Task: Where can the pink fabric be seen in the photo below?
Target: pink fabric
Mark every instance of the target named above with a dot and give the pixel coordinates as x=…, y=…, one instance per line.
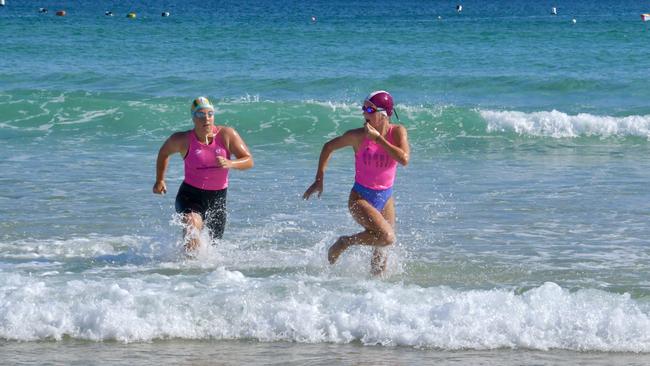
x=201, y=169
x=375, y=168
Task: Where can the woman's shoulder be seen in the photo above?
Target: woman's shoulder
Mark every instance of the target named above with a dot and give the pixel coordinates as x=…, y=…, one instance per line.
x=396, y=127
x=356, y=132
x=354, y=136
x=226, y=131
x=178, y=141
x=223, y=128
x=180, y=135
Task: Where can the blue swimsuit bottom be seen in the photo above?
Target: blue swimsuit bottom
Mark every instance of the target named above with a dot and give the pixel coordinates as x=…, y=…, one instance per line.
x=377, y=198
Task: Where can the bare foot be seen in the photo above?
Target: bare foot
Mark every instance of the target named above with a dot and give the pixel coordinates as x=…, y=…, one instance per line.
x=191, y=249
x=190, y=253
x=192, y=243
x=378, y=262
x=336, y=249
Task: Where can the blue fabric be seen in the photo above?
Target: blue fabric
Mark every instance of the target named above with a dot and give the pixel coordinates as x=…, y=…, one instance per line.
x=377, y=198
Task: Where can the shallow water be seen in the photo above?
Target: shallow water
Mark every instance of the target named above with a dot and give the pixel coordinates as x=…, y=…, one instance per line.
x=522, y=216
x=255, y=353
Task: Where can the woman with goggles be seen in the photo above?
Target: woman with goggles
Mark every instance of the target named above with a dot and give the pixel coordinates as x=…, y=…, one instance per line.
x=206, y=150
x=378, y=147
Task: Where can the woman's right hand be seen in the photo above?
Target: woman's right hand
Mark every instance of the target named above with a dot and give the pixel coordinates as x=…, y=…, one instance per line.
x=317, y=186
x=371, y=132
x=160, y=187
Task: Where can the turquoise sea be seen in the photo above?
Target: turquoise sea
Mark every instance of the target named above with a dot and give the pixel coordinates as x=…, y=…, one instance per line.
x=523, y=217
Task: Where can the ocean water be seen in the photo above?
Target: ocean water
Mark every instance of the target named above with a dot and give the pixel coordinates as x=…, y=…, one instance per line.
x=523, y=217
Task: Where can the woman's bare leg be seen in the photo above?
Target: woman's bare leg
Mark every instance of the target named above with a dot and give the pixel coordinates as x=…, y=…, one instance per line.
x=191, y=233
x=379, y=254
x=378, y=230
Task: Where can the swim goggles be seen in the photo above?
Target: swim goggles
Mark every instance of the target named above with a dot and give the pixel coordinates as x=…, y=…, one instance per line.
x=371, y=110
x=201, y=114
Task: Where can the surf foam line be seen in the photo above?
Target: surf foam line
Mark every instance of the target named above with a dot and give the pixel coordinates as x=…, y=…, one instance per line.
x=561, y=125
x=226, y=304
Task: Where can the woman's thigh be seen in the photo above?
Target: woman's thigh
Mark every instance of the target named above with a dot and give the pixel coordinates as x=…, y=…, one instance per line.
x=368, y=216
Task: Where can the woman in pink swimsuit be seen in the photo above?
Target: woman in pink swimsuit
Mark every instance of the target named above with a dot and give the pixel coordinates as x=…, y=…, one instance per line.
x=206, y=151
x=378, y=147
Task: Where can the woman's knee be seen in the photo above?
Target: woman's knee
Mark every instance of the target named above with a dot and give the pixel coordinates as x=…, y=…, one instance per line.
x=386, y=237
x=193, y=219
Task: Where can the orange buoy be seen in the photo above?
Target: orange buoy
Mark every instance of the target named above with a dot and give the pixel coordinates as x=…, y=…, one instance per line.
x=60, y=13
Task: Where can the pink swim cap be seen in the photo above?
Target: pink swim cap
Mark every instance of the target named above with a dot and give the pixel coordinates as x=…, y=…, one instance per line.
x=383, y=100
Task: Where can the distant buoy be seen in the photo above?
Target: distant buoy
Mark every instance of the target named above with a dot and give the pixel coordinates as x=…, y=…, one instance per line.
x=60, y=13
x=459, y=8
x=165, y=14
x=313, y=19
x=645, y=17
x=2, y=2
x=131, y=15
x=42, y=10
x=108, y=13
x=574, y=21
x=554, y=11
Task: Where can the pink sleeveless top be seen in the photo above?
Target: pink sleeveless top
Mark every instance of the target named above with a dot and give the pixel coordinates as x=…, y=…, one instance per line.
x=375, y=168
x=201, y=169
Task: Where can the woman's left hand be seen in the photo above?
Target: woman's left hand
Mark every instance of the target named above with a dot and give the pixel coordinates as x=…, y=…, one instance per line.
x=223, y=162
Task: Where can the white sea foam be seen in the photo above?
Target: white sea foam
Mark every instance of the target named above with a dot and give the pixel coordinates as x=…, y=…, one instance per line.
x=90, y=247
x=225, y=304
x=157, y=107
x=84, y=117
x=561, y=125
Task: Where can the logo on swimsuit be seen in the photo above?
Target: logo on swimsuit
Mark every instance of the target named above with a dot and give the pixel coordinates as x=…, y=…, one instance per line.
x=378, y=160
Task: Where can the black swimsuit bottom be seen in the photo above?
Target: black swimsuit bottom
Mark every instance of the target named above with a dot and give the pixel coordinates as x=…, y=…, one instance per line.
x=211, y=205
